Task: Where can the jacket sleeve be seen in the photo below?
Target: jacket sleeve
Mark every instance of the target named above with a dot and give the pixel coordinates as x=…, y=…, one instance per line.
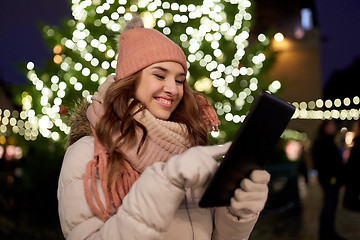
x=146, y=211
x=230, y=227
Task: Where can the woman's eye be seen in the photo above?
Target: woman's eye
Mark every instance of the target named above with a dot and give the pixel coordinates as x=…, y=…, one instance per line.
x=159, y=76
x=179, y=81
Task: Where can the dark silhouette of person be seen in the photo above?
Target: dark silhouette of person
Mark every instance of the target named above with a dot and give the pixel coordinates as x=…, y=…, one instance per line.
x=329, y=164
x=352, y=184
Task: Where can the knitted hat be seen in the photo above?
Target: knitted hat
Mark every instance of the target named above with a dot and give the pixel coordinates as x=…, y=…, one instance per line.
x=142, y=47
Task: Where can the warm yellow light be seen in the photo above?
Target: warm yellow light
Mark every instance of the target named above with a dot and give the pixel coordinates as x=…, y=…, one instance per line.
x=57, y=59
x=2, y=140
x=349, y=137
x=203, y=85
x=149, y=19
x=279, y=37
x=57, y=49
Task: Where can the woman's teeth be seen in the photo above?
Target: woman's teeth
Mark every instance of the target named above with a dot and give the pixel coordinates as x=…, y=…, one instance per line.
x=164, y=101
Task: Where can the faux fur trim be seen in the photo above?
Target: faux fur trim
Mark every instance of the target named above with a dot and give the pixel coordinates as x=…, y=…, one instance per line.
x=78, y=122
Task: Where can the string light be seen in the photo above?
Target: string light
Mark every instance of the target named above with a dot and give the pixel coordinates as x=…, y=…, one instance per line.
x=294, y=135
x=314, y=109
x=278, y=37
x=28, y=125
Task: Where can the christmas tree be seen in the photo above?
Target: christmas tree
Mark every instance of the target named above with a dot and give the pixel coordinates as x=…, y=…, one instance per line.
x=224, y=63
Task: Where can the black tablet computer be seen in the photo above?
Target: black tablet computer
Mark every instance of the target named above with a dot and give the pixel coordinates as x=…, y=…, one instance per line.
x=251, y=147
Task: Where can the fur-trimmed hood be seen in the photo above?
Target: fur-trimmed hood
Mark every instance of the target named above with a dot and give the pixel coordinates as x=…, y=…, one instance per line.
x=80, y=126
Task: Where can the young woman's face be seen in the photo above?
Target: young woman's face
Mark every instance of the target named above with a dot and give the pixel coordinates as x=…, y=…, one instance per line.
x=161, y=88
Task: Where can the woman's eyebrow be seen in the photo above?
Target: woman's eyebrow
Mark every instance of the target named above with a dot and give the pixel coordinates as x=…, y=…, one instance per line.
x=160, y=68
x=166, y=70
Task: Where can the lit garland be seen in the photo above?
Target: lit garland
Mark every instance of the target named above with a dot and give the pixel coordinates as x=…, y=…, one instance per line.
x=312, y=109
x=28, y=125
x=294, y=135
x=18, y=123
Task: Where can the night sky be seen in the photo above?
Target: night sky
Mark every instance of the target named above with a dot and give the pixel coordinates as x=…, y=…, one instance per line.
x=340, y=35
x=22, y=40
x=21, y=37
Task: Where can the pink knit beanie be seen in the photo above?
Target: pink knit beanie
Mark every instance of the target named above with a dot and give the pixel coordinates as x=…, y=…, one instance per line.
x=142, y=47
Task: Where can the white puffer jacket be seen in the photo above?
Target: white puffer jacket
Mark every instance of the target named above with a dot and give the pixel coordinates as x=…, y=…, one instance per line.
x=139, y=216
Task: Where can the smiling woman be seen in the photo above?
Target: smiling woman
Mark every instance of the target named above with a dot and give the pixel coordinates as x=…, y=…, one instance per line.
x=137, y=158
x=161, y=88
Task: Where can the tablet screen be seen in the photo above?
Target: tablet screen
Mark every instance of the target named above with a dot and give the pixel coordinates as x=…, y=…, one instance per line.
x=251, y=147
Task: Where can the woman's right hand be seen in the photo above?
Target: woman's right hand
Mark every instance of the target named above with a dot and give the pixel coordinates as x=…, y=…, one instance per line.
x=194, y=167
x=157, y=194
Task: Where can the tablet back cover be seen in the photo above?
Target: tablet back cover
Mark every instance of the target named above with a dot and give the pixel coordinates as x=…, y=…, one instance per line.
x=254, y=141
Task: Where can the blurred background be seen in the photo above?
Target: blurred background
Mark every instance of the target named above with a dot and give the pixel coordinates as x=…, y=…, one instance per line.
x=54, y=52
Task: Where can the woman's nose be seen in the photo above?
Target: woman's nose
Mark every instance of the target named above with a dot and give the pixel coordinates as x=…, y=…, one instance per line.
x=171, y=87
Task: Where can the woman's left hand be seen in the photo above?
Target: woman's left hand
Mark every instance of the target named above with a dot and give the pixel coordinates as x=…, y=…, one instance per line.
x=250, y=198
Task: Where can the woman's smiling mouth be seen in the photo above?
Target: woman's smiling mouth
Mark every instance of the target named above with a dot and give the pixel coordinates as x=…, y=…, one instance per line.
x=164, y=102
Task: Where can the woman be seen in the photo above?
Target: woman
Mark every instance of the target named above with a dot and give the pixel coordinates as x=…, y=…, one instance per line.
x=137, y=161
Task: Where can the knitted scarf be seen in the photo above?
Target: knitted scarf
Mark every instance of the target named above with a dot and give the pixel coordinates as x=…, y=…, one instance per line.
x=164, y=139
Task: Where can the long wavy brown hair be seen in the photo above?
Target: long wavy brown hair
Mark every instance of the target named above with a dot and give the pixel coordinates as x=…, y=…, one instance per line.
x=118, y=125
